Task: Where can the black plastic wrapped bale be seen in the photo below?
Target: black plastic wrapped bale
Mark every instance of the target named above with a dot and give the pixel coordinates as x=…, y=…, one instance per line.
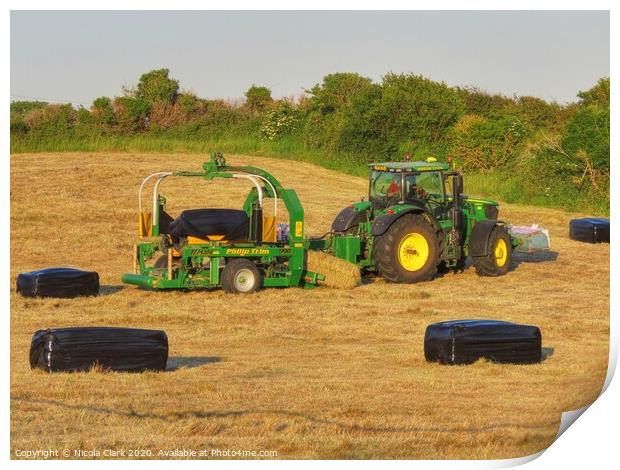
x=58, y=282
x=233, y=224
x=80, y=349
x=589, y=230
x=466, y=341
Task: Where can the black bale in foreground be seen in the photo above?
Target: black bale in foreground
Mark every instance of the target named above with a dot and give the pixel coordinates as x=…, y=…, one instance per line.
x=58, y=282
x=466, y=341
x=80, y=349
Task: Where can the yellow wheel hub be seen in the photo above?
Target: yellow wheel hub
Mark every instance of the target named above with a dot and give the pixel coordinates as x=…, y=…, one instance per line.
x=501, y=252
x=413, y=251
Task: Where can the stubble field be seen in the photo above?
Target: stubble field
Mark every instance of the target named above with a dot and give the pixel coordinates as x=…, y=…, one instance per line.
x=318, y=373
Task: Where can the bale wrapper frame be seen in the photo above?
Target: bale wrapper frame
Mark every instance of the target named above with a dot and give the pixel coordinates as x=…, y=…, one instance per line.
x=238, y=250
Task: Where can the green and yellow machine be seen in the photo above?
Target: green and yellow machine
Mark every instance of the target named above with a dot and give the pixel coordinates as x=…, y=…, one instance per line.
x=417, y=221
x=238, y=250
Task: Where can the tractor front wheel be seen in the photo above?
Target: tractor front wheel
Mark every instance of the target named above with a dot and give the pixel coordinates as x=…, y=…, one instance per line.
x=241, y=276
x=408, y=251
x=499, y=254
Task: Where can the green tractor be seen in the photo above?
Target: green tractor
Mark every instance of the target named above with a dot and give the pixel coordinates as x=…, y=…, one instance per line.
x=415, y=222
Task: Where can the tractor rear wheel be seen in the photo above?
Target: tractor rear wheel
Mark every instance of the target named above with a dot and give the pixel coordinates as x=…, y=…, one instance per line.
x=408, y=251
x=241, y=276
x=499, y=254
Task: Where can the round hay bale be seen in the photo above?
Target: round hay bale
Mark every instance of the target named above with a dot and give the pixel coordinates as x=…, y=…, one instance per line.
x=339, y=274
x=589, y=230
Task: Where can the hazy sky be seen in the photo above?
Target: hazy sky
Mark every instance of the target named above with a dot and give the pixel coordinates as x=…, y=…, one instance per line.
x=78, y=56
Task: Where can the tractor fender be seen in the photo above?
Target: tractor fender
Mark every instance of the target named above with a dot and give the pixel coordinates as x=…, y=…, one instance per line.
x=383, y=222
x=479, y=237
x=348, y=218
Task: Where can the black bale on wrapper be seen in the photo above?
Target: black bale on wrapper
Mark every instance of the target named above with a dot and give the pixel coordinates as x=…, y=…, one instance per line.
x=466, y=341
x=81, y=349
x=58, y=282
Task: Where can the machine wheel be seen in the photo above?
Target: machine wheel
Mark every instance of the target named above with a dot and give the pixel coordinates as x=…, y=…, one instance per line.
x=408, y=251
x=241, y=276
x=499, y=258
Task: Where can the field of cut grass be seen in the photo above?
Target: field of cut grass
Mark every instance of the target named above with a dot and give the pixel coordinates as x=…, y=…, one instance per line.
x=309, y=374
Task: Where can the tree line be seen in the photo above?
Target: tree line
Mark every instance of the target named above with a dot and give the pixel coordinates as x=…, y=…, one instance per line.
x=560, y=147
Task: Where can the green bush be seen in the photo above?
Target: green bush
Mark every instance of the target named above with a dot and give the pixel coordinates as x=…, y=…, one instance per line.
x=52, y=121
x=536, y=111
x=258, y=98
x=282, y=120
x=21, y=108
x=103, y=112
x=131, y=113
x=484, y=104
x=598, y=94
x=18, y=127
x=416, y=111
x=588, y=131
x=578, y=156
x=481, y=144
x=337, y=92
x=194, y=107
x=156, y=85
x=329, y=114
x=360, y=131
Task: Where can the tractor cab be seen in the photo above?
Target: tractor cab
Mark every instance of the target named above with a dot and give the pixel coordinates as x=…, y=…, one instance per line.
x=421, y=184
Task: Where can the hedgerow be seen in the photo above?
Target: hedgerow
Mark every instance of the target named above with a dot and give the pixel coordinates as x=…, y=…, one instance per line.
x=549, y=152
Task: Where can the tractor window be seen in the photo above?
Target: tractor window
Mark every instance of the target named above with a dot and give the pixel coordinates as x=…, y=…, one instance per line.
x=424, y=186
x=385, y=187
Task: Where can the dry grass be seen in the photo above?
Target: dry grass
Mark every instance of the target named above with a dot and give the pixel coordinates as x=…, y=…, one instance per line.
x=321, y=373
x=339, y=274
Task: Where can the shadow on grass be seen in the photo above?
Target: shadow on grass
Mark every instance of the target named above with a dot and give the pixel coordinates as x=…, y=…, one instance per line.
x=536, y=257
x=443, y=271
x=546, y=353
x=517, y=259
x=110, y=290
x=189, y=362
x=212, y=414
